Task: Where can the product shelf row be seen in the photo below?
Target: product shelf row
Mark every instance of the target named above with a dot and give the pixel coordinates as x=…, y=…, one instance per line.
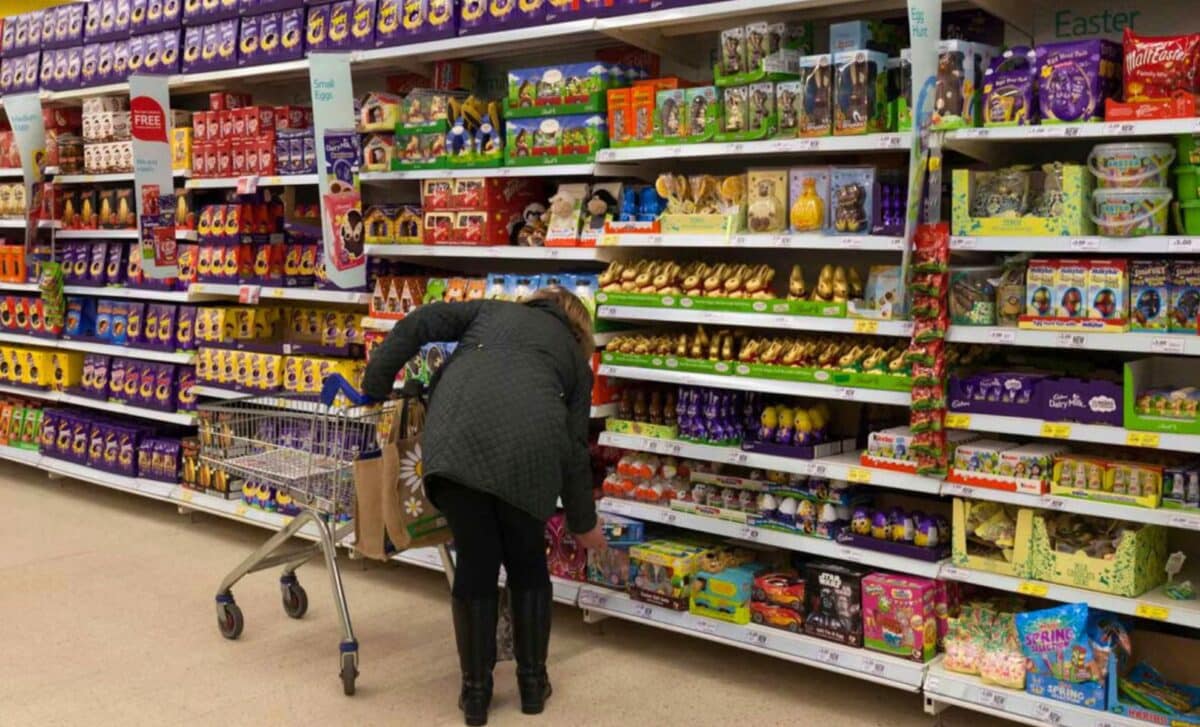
x=502, y=252
x=144, y=354
x=847, y=467
x=68, y=234
x=1149, y=245
x=940, y=687
x=787, y=241
x=202, y=292
x=766, y=386
x=186, y=419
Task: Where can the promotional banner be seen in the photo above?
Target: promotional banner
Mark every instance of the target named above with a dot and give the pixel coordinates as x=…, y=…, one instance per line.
x=338, y=159
x=29, y=134
x=924, y=29
x=154, y=182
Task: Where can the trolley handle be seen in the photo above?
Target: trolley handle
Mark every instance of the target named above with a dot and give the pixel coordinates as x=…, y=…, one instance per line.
x=335, y=384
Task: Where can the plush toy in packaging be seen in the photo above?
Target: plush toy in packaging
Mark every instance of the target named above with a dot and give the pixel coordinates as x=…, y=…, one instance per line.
x=566, y=211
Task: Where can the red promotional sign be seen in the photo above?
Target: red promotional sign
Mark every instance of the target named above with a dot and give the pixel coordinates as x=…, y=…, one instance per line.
x=147, y=119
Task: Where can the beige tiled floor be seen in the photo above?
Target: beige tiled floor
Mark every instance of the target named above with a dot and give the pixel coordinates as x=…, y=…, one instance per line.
x=106, y=618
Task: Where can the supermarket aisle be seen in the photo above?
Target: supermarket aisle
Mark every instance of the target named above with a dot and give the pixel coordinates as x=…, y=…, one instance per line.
x=106, y=619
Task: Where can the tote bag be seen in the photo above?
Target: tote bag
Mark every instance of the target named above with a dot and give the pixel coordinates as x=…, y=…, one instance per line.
x=391, y=511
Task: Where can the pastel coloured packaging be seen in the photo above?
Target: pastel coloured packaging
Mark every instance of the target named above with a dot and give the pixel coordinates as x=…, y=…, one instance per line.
x=1076, y=77
x=899, y=616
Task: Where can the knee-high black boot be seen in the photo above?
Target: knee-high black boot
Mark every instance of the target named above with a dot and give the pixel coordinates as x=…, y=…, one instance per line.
x=475, y=632
x=531, y=640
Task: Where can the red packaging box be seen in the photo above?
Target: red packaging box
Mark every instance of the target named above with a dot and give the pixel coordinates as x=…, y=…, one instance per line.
x=224, y=161
x=212, y=126
x=437, y=194
x=225, y=124
x=238, y=120
x=199, y=127
x=250, y=156
x=210, y=159
x=221, y=101
x=265, y=146
x=439, y=228
x=252, y=121
x=493, y=194
x=474, y=227
x=290, y=117
x=238, y=149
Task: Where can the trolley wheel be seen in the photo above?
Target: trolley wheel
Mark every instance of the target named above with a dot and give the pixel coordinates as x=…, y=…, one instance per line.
x=295, y=600
x=349, y=673
x=230, y=621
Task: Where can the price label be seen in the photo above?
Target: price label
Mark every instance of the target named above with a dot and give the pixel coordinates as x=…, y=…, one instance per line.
x=1084, y=244
x=890, y=141
x=620, y=508
x=591, y=598
x=247, y=184
x=653, y=240
x=810, y=145
x=780, y=240
x=845, y=392
x=1002, y=337
x=1056, y=430
x=932, y=683
x=960, y=490
x=963, y=243
x=705, y=627
x=850, y=554
x=607, y=310
x=953, y=573
x=873, y=666
x=1047, y=713
x=1152, y=611
x=992, y=698
x=977, y=133
x=852, y=243
x=1033, y=588
x=1191, y=522
x=1054, y=503
x=866, y=326
x=642, y=611
x=276, y=292
x=1147, y=440
x=186, y=495
x=817, y=470
x=780, y=145
x=861, y=475
x=1069, y=132
x=249, y=294
x=737, y=457
x=958, y=421
x=739, y=240
x=1071, y=340
x=756, y=638
x=667, y=517
x=1183, y=244
x=610, y=240
x=241, y=509
x=1167, y=344
x=735, y=148
x=748, y=533
x=552, y=252
x=828, y=656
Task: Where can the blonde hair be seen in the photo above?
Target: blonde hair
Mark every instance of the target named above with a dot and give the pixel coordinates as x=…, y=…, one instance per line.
x=579, y=318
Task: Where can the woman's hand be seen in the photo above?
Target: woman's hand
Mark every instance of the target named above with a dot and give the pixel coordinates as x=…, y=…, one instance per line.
x=594, y=538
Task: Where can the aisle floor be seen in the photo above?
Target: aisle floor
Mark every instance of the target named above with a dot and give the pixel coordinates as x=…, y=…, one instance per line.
x=106, y=618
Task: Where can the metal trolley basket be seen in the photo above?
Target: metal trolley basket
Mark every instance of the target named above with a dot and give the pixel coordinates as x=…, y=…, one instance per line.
x=304, y=447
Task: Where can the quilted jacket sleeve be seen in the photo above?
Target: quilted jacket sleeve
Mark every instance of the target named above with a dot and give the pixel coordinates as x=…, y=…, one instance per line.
x=578, y=504
x=427, y=324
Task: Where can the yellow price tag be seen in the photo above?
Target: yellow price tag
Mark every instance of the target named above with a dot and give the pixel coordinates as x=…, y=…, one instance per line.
x=1149, y=610
x=866, y=326
x=610, y=240
x=1148, y=440
x=1056, y=430
x=1031, y=588
x=860, y=475
x=186, y=495
x=958, y=421
x=241, y=510
x=277, y=292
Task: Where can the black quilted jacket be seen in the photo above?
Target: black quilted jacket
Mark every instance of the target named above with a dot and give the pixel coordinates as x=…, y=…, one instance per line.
x=509, y=414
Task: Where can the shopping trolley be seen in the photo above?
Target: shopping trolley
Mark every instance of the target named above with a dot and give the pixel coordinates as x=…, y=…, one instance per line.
x=304, y=447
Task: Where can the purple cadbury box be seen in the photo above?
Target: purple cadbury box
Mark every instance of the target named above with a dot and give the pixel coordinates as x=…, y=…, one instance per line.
x=1002, y=394
x=1072, y=87
x=1092, y=401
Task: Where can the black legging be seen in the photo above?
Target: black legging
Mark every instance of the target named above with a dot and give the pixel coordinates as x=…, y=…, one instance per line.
x=488, y=531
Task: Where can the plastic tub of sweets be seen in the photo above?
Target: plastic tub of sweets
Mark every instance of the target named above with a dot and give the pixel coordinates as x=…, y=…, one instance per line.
x=1188, y=146
x=1130, y=212
x=1186, y=181
x=1131, y=165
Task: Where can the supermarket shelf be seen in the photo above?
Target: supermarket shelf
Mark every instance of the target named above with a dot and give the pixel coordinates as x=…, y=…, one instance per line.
x=113, y=407
x=838, y=467
x=145, y=354
x=601, y=338
x=312, y=295
x=8, y=172
x=68, y=234
x=768, y=386
x=944, y=687
x=1076, y=245
x=30, y=457
x=191, y=82
x=565, y=591
x=760, y=320
x=1076, y=432
x=102, y=178
x=1154, y=605
x=848, y=660
x=506, y=252
x=1180, y=344
x=113, y=291
x=1095, y=130
x=9, y=223
x=1184, y=519
x=775, y=242
x=603, y=411
x=232, y=182
x=21, y=287
x=214, y=392
x=787, y=541
x=868, y=143
x=549, y=170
